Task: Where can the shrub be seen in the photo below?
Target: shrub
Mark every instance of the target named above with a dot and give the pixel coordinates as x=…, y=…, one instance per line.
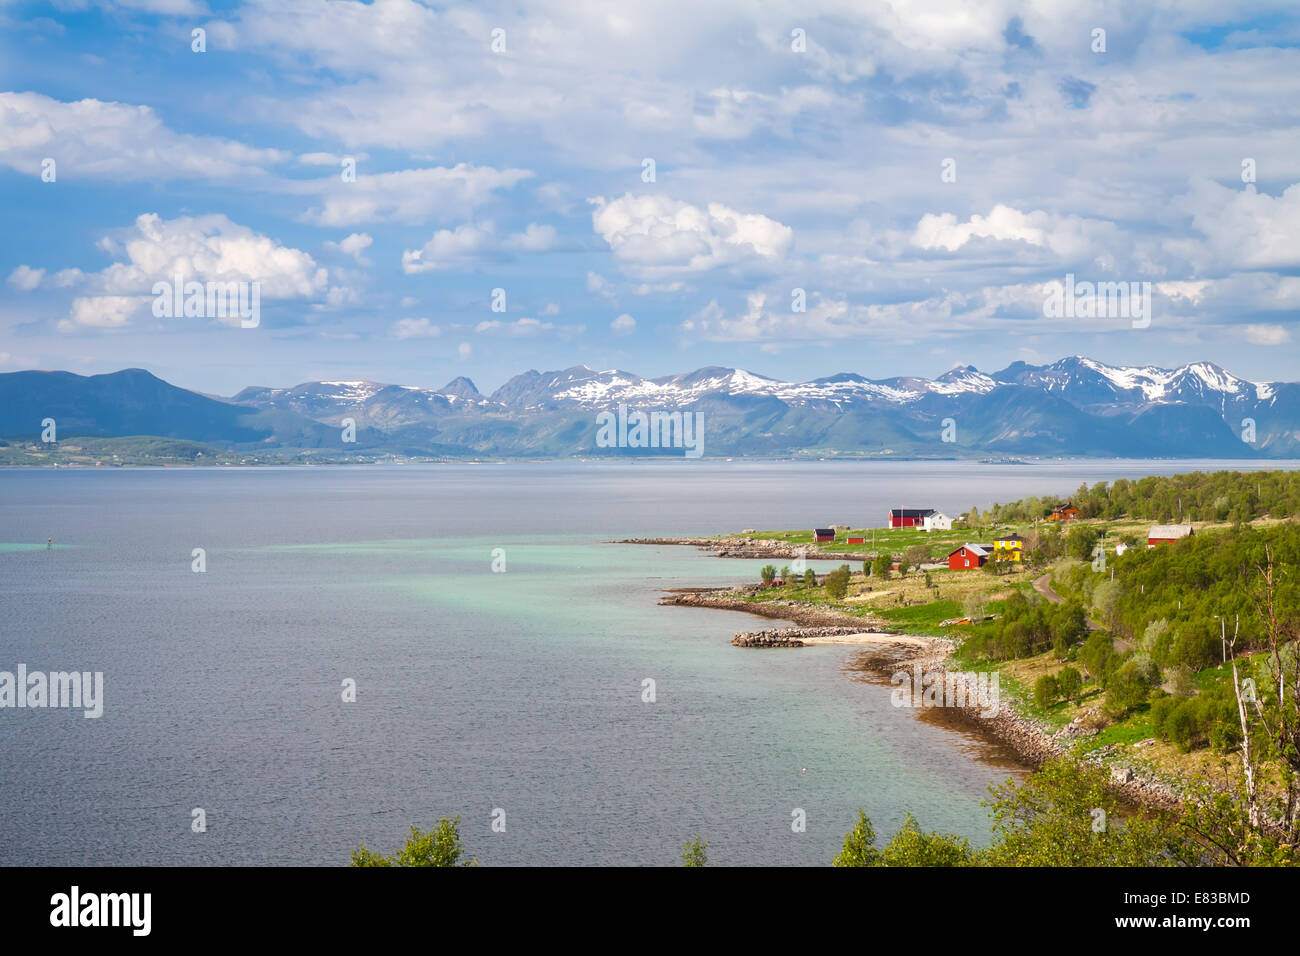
x=837, y=583
x=1069, y=682
x=1046, y=690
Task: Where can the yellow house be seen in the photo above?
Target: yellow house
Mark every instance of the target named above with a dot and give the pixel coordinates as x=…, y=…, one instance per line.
x=1008, y=548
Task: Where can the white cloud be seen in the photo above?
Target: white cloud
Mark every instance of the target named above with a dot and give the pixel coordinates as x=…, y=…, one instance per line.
x=354, y=245
x=534, y=238
x=521, y=328
x=1267, y=335
x=92, y=139
x=623, y=325
x=654, y=235
x=463, y=246
x=202, y=249
x=1243, y=228
x=103, y=311
x=25, y=278
x=1069, y=238
x=415, y=329
x=408, y=196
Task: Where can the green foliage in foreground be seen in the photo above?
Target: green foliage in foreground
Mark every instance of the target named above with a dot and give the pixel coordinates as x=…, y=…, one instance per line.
x=441, y=846
x=910, y=846
x=695, y=852
x=1066, y=814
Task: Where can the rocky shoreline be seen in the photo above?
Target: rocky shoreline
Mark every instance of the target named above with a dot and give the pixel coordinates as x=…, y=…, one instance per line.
x=760, y=548
x=1027, y=739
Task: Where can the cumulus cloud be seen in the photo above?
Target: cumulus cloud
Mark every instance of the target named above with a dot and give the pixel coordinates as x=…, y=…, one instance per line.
x=623, y=325
x=102, y=311
x=202, y=249
x=353, y=245
x=415, y=329
x=1242, y=228
x=1267, y=335
x=1067, y=238
x=92, y=139
x=407, y=196
x=25, y=278
x=655, y=235
x=463, y=246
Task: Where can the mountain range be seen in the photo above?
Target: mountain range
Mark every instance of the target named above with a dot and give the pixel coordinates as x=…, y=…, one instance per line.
x=1073, y=407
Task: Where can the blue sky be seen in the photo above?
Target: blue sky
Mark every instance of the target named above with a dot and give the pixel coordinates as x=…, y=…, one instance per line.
x=783, y=160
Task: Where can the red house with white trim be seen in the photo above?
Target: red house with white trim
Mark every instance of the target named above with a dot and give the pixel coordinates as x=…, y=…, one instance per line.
x=908, y=517
x=969, y=556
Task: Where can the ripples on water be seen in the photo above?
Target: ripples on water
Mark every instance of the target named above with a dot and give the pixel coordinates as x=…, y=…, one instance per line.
x=476, y=690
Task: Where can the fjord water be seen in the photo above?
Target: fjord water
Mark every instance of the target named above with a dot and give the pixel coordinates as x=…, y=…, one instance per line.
x=475, y=690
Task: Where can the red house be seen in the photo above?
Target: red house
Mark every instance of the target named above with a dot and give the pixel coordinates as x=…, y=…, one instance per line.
x=908, y=517
x=1063, y=513
x=857, y=540
x=823, y=534
x=969, y=556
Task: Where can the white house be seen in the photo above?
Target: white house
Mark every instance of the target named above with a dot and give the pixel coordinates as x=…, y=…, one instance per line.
x=938, y=521
x=1120, y=548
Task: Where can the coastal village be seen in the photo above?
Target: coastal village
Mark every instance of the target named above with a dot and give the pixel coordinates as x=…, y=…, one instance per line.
x=1099, y=615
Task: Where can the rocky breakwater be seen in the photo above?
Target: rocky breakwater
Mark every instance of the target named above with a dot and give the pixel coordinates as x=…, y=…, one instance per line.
x=789, y=636
x=763, y=548
x=804, y=615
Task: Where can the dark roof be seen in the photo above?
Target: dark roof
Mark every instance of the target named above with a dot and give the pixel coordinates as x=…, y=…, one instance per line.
x=829, y=531
x=1009, y=537
x=910, y=512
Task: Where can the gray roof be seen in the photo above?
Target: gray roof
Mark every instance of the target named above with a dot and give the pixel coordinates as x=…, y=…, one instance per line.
x=1169, y=531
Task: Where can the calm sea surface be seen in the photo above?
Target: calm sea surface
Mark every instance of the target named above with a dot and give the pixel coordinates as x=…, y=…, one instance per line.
x=475, y=690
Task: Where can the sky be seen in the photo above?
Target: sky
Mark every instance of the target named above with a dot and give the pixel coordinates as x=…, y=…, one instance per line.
x=422, y=191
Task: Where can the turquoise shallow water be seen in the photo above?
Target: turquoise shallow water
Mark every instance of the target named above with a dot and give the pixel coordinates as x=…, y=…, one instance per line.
x=476, y=690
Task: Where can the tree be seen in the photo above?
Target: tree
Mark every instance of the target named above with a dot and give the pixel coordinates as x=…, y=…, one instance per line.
x=880, y=567
x=1097, y=654
x=837, y=583
x=859, y=845
x=912, y=847
x=1061, y=816
x=866, y=569
x=809, y=578
x=768, y=574
x=441, y=846
x=695, y=852
x=917, y=555
x=1130, y=685
x=785, y=573
x=1046, y=690
x=1069, y=682
x=1081, y=542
